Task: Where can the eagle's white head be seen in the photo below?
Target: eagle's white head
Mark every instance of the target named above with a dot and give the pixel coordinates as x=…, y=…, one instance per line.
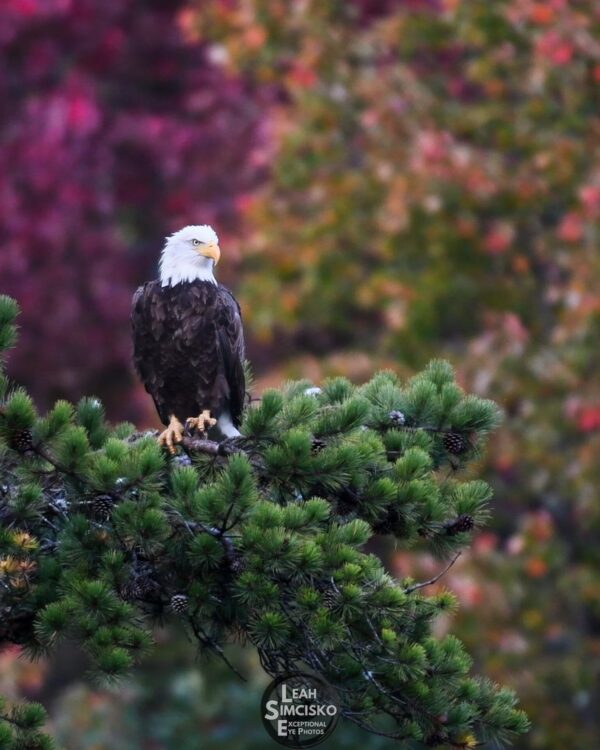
x=189, y=255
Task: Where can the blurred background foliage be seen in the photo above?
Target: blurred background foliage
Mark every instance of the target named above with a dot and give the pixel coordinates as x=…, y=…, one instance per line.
x=391, y=180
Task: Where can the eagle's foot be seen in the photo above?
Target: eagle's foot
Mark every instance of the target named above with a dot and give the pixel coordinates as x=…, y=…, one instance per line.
x=202, y=422
x=172, y=435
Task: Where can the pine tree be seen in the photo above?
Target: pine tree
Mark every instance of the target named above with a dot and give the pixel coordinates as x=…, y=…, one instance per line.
x=103, y=534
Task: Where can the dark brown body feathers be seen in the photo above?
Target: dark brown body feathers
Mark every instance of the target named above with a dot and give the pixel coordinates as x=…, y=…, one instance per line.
x=188, y=348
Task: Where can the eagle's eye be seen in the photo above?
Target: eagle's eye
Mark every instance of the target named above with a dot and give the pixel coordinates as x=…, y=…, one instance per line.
x=195, y=243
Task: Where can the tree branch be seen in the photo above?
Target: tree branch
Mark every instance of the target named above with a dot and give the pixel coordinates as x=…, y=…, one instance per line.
x=435, y=579
x=210, y=447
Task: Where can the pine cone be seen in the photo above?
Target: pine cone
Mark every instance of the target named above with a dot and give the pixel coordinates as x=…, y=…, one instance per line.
x=330, y=598
x=21, y=441
x=130, y=590
x=138, y=587
x=462, y=523
x=238, y=565
x=102, y=505
x=179, y=604
x=397, y=418
x=318, y=444
x=455, y=443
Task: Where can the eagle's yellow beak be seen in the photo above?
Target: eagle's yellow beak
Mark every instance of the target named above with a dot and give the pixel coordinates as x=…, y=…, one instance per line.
x=210, y=251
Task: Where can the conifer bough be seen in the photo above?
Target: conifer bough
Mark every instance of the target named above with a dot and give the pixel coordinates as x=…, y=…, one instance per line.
x=102, y=533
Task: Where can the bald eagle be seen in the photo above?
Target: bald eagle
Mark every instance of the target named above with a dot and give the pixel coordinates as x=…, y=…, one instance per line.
x=188, y=340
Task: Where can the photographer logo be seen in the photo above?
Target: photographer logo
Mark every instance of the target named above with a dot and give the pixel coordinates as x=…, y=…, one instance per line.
x=299, y=710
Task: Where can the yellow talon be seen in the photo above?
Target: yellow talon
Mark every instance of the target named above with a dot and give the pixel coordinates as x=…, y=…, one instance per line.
x=202, y=422
x=172, y=435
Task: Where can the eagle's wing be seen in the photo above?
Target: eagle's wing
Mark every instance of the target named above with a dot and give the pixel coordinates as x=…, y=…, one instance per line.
x=148, y=318
x=231, y=344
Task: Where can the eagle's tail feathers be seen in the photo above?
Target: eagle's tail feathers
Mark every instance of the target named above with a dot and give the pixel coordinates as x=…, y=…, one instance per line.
x=226, y=427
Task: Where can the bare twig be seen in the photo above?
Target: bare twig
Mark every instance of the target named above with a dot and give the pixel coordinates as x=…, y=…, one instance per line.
x=228, y=547
x=209, y=643
x=435, y=579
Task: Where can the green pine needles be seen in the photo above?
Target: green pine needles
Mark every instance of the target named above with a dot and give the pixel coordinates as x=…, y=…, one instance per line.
x=261, y=538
